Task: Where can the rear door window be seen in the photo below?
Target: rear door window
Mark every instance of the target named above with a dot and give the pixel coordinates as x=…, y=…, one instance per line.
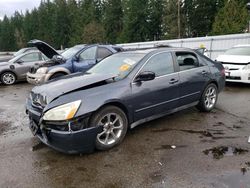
x=103, y=52
x=186, y=60
x=161, y=64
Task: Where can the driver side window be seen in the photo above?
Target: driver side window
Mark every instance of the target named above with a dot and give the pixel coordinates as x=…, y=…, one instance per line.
x=30, y=57
x=89, y=53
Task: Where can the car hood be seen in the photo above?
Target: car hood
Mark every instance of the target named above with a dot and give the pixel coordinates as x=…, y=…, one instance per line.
x=4, y=64
x=44, y=48
x=235, y=59
x=53, y=89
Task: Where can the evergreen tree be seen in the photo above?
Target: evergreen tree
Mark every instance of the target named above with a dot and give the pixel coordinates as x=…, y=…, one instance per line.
x=156, y=11
x=77, y=25
x=170, y=20
x=200, y=16
x=232, y=18
x=62, y=24
x=136, y=21
x=31, y=25
x=93, y=33
x=46, y=22
x=7, y=34
x=112, y=21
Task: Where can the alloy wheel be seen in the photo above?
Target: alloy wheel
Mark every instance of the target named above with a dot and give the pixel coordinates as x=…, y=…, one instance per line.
x=112, y=128
x=8, y=78
x=210, y=97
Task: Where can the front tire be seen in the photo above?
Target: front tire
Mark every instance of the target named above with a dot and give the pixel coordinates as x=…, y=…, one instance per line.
x=8, y=78
x=115, y=125
x=209, y=98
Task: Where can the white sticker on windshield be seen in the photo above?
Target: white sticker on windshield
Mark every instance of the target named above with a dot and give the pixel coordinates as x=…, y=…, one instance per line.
x=129, y=61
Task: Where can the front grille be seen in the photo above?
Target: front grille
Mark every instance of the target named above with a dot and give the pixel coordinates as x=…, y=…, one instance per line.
x=233, y=69
x=233, y=77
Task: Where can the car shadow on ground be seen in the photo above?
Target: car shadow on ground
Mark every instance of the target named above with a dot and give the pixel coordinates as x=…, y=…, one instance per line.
x=236, y=84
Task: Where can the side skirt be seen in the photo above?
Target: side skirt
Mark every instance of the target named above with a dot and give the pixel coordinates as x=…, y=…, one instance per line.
x=135, y=124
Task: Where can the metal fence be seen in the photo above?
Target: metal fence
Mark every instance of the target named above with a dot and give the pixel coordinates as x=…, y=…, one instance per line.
x=215, y=45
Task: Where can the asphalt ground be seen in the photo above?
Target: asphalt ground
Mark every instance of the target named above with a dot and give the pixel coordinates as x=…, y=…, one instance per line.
x=185, y=149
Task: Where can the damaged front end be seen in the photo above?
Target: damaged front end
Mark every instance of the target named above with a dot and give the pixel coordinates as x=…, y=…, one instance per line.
x=68, y=136
x=56, y=60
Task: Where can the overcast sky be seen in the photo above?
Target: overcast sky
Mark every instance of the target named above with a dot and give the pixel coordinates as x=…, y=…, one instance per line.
x=8, y=7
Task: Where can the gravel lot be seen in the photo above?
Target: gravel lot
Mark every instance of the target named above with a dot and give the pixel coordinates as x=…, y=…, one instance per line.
x=211, y=149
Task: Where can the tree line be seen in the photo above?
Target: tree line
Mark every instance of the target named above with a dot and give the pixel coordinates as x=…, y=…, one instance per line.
x=64, y=23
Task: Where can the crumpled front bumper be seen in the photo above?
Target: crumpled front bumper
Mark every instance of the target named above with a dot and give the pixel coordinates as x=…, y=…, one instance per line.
x=82, y=141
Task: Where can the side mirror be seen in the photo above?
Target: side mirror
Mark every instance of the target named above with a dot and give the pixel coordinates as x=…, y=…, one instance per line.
x=145, y=76
x=20, y=62
x=58, y=58
x=76, y=58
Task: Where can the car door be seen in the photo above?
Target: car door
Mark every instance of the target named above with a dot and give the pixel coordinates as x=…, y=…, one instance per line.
x=159, y=95
x=86, y=60
x=23, y=64
x=194, y=75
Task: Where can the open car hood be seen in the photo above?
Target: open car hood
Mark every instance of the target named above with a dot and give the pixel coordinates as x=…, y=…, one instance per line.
x=44, y=48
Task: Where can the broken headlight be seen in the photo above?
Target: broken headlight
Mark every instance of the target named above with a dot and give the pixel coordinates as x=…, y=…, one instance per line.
x=63, y=112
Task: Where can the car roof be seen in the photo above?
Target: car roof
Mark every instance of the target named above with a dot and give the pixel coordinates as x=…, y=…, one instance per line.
x=159, y=49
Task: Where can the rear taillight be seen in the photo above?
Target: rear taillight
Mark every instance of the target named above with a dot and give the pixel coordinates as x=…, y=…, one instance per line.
x=223, y=72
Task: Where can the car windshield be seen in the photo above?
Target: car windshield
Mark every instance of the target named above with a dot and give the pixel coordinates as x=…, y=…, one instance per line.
x=120, y=64
x=67, y=54
x=239, y=51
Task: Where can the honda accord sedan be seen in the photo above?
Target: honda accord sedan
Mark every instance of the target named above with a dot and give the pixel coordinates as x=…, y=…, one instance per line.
x=82, y=112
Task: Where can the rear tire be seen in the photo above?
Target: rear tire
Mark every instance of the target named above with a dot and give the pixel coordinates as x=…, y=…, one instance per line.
x=56, y=75
x=209, y=98
x=115, y=125
x=8, y=78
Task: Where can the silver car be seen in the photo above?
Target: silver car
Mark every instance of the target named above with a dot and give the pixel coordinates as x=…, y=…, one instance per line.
x=16, y=69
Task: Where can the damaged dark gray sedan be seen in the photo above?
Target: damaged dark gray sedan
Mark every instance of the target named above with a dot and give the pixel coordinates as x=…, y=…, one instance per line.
x=83, y=112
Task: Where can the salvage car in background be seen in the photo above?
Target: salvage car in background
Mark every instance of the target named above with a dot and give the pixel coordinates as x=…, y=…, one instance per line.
x=24, y=50
x=237, y=63
x=79, y=58
x=8, y=56
x=17, y=68
x=80, y=112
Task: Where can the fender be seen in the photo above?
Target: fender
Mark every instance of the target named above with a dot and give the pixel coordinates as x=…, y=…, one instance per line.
x=56, y=70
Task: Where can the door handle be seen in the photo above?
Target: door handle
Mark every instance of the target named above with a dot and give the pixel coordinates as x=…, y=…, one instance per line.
x=204, y=72
x=173, y=81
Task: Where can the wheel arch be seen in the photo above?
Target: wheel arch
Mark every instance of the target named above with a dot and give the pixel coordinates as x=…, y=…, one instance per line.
x=7, y=70
x=120, y=105
x=214, y=82
x=58, y=71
